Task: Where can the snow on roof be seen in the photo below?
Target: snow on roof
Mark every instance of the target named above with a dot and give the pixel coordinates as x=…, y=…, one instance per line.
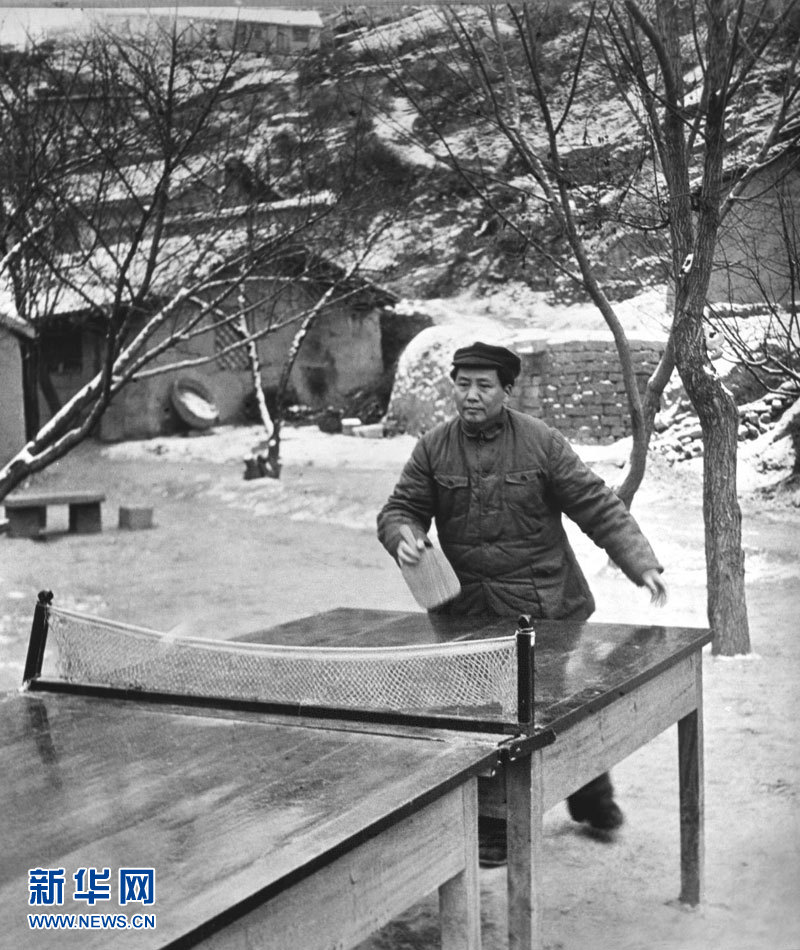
x=182, y=258
x=309, y=18
x=19, y=25
x=93, y=280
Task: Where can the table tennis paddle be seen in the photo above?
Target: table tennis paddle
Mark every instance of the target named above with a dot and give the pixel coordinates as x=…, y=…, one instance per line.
x=432, y=579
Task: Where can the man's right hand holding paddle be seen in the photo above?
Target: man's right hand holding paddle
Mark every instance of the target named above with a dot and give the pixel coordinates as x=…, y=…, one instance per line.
x=408, y=553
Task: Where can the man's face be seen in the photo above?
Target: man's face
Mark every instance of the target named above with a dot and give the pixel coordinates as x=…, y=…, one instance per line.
x=478, y=394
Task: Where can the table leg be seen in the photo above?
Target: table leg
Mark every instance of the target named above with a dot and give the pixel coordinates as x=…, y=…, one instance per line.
x=85, y=518
x=690, y=770
x=459, y=898
x=525, y=813
x=26, y=522
x=349, y=897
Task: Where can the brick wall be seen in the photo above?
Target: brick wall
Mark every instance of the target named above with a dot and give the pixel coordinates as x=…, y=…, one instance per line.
x=573, y=382
x=576, y=386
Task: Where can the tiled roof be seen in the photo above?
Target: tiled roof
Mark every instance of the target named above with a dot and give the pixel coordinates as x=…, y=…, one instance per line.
x=308, y=18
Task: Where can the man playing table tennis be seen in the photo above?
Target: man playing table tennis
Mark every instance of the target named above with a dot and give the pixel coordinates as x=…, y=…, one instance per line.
x=497, y=482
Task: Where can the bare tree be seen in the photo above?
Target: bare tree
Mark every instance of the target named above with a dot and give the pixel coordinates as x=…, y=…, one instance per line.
x=501, y=78
x=172, y=225
x=728, y=46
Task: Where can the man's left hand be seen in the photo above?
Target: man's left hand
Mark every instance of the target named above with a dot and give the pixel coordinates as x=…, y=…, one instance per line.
x=654, y=582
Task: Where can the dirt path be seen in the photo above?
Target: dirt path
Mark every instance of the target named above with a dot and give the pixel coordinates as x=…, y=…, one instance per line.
x=227, y=556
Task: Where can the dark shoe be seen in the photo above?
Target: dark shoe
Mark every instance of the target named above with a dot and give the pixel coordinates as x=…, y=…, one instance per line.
x=492, y=849
x=605, y=815
x=595, y=804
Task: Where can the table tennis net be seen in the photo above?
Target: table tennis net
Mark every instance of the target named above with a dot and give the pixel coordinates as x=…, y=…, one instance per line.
x=457, y=677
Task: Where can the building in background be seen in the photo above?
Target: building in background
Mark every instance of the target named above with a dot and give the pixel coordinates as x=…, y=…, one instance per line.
x=261, y=30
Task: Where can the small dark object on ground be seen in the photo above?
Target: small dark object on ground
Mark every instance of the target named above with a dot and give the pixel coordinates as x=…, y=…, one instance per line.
x=260, y=466
x=135, y=518
x=330, y=421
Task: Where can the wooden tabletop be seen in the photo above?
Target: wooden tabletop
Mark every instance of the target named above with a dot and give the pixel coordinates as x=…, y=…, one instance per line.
x=578, y=667
x=228, y=808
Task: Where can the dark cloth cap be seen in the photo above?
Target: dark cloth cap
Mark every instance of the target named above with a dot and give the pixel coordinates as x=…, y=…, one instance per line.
x=484, y=354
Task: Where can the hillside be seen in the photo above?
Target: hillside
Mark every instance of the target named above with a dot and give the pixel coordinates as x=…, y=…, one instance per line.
x=474, y=218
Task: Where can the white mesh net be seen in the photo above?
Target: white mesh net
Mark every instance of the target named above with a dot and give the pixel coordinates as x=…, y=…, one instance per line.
x=458, y=677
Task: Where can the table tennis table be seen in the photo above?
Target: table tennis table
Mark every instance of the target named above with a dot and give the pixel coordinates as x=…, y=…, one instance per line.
x=601, y=691
x=281, y=828
x=262, y=833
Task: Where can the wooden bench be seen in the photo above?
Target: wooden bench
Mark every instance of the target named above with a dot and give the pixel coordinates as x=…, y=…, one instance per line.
x=27, y=514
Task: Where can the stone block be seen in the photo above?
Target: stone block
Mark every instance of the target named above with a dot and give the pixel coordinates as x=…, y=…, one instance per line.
x=135, y=518
x=373, y=431
x=26, y=523
x=85, y=519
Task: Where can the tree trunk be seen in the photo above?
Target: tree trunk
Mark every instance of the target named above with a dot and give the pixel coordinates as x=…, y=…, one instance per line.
x=274, y=444
x=692, y=259
x=719, y=420
x=12, y=475
x=259, y=465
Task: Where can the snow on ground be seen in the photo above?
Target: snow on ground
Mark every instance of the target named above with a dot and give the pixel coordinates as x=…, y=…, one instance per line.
x=307, y=445
x=389, y=36
x=304, y=445
x=396, y=128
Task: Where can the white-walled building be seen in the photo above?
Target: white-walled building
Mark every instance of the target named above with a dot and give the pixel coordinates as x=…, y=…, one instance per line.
x=258, y=29
x=262, y=30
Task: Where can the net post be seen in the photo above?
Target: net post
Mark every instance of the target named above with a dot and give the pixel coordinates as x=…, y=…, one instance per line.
x=526, y=639
x=38, y=638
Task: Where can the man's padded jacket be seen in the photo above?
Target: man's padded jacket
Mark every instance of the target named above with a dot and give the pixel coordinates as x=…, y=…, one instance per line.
x=497, y=497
